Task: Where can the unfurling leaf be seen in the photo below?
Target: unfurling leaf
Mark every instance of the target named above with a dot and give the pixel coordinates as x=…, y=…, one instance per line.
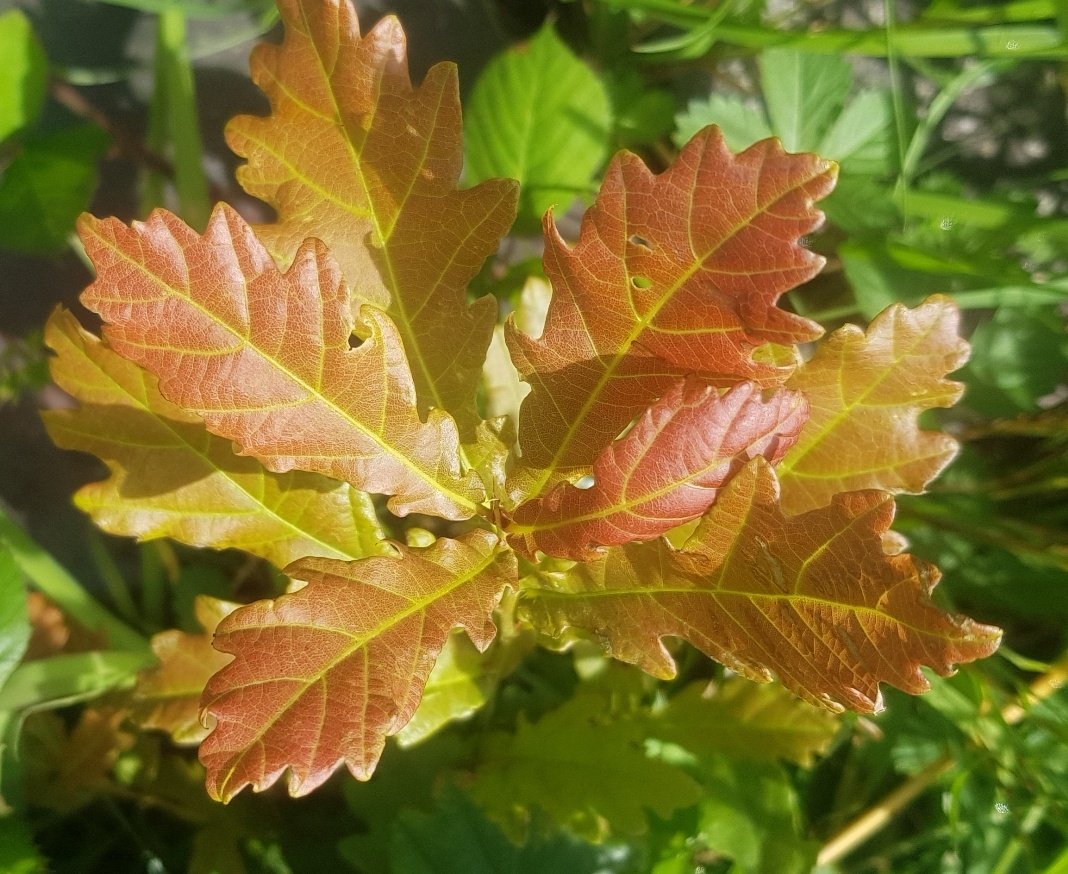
x=263, y=357
x=171, y=478
x=866, y=390
x=673, y=274
x=664, y=472
x=812, y=600
x=167, y=696
x=352, y=155
x=323, y=675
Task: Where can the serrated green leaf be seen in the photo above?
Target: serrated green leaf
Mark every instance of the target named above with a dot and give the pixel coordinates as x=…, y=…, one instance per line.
x=458, y=839
x=23, y=74
x=746, y=721
x=741, y=124
x=46, y=186
x=540, y=115
x=803, y=92
x=584, y=771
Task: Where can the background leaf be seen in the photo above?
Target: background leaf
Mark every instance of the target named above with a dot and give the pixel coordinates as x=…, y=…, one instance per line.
x=539, y=115
x=24, y=78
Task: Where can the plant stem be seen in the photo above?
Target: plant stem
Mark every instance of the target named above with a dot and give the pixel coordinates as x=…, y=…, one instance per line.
x=877, y=817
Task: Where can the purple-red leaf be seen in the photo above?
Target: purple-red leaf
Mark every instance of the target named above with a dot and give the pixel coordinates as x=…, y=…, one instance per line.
x=664, y=472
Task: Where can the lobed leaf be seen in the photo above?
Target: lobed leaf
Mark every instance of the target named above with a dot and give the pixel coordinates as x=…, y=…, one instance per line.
x=866, y=390
x=264, y=357
x=167, y=695
x=666, y=471
x=352, y=155
x=172, y=478
x=673, y=274
x=813, y=599
x=323, y=675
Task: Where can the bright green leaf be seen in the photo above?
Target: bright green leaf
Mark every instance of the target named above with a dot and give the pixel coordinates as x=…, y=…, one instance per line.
x=538, y=114
x=741, y=124
x=46, y=186
x=23, y=74
x=14, y=624
x=803, y=92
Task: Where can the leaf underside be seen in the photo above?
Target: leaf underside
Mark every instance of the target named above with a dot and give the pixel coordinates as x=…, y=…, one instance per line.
x=866, y=390
x=812, y=600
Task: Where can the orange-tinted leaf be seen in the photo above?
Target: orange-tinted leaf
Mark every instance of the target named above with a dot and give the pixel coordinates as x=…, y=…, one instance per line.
x=812, y=599
x=323, y=675
x=167, y=696
x=353, y=156
x=172, y=478
x=672, y=274
x=866, y=390
x=264, y=357
x=664, y=472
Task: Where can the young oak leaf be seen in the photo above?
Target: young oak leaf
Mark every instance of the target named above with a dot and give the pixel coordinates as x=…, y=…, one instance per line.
x=672, y=274
x=351, y=154
x=663, y=473
x=866, y=390
x=323, y=675
x=264, y=357
x=813, y=600
x=172, y=478
x=167, y=696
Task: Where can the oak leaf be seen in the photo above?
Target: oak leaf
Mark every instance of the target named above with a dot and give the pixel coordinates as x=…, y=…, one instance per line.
x=264, y=357
x=666, y=471
x=866, y=390
x=167, y=696
x=352, y=155
x=673, y=274
x=172, y=478
x=323, y=675
x=812, y=600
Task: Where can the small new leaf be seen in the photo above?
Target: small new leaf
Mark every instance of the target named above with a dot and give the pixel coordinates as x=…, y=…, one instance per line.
x=812, y=600
x=673, y=274
x=866, y=390
x=666, y=471
x=263, y=357
x=323, y=675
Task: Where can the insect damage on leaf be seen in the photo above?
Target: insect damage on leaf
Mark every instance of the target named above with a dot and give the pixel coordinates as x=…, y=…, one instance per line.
x=667, y=371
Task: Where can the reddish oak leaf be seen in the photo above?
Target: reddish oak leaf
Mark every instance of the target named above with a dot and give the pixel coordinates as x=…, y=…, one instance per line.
x=351, y=154
x=263, y=357
x=322, y=676
x=866, y=390
x=172, y=478
x=664, y=472
x=813, y=599
x=673, y=274
x=167, y=696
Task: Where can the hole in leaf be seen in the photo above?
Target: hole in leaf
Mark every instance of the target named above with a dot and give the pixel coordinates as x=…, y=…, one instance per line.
x=355, y=342
x=637, y=240
x=641, y=282
x=585, y=483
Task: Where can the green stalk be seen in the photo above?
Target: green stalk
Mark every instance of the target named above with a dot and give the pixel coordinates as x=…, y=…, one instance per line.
x=175, y=79
x=52, y=579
